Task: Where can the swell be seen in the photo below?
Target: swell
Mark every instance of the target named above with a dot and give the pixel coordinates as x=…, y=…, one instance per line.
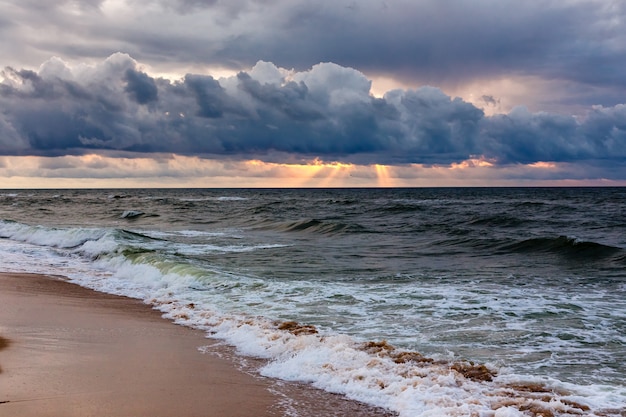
x=504, y=221
x=311, y=226
x=400, y=208
x=567, y=246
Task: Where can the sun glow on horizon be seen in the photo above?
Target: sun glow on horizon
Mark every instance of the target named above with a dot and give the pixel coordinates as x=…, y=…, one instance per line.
x=313, y=173
x=382, y=172
x=178, y=171
x=543, y=165
x=472, y=163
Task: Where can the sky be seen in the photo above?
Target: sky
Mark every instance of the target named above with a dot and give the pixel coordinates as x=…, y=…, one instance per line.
x=294, y=93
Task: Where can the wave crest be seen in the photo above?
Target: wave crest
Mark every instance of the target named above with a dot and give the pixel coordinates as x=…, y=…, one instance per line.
x=564, y=245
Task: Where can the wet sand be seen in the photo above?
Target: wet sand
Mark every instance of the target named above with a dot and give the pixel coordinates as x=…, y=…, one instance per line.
x=70, y=351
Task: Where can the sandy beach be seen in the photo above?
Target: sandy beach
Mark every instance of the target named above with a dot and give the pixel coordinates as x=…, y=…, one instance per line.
x=75, y=352
x=69, y=351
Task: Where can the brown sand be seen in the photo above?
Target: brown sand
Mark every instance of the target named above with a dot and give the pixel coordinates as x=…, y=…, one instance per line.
x=70, y=351
x=75, y=352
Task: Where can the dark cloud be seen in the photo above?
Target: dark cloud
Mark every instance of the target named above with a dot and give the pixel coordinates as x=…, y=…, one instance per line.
x=444, y=42
x=289, y=100
x=435, y=127
x=523, y=137
x=436, y=42
x=209, y=95
x=140, y=86
x=324, y=112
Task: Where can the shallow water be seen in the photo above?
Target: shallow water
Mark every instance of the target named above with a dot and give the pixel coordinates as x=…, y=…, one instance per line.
x=530, y=282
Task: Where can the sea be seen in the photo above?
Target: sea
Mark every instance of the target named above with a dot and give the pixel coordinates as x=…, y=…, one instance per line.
x=485, y=302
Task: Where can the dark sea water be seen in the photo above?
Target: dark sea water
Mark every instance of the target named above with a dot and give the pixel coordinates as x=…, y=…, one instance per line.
x=515, y=298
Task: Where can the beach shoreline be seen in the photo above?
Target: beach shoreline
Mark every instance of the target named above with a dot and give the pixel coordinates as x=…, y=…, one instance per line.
x=71, y=351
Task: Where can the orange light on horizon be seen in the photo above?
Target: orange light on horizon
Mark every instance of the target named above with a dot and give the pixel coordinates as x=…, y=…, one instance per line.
x=171, y=170
x=471, y=163
x=382, y=172
x=543, y=165
x=313, y=173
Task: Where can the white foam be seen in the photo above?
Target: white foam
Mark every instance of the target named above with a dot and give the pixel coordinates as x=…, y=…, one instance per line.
x=228, y=198
x=42, y=236
x=199, y=233
x=222, y=198
x=203, y=249
x=192, y=233
x=129, y=214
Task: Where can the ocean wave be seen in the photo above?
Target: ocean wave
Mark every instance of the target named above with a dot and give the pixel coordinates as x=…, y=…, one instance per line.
x=90, y=242
x=400, y=207
x=231, y=198
x=131, y=214
x=530, y=204
x=499, y=220
x=117, y=196
x=220, y=198
x=342, y=202
x=45, y=236
x=266, y=208
x=316, y=226
x=463, y=242
x=564, y=245
x=204, y=249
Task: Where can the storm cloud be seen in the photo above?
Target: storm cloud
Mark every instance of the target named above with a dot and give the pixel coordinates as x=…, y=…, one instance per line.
x=325, y=112
x=578, y=43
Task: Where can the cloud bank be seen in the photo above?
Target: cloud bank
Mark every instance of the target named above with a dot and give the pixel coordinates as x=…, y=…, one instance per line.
x=578, y=44
x=272, y=114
